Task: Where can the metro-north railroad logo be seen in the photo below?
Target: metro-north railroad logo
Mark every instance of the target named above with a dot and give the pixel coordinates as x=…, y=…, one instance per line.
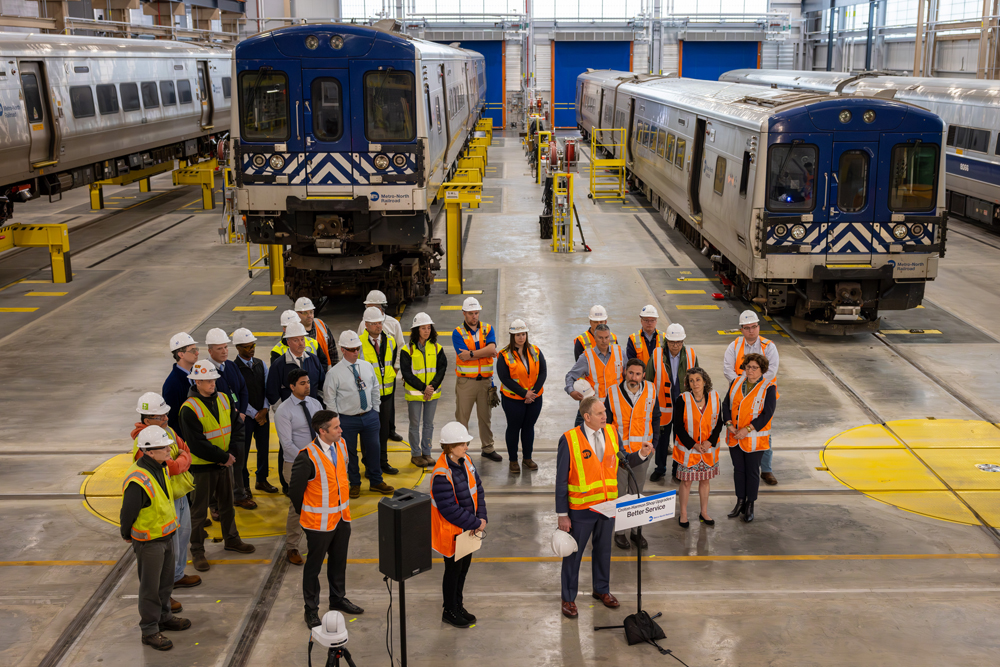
x=374, y=196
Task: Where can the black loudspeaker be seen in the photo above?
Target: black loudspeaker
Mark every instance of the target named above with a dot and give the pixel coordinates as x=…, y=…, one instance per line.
x=404, y=534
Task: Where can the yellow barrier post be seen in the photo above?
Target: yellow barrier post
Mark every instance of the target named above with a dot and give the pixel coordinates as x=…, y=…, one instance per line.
x=203, y=174
x=562, y=212
x=456, y=194
x=55, y=237
x=276, y=262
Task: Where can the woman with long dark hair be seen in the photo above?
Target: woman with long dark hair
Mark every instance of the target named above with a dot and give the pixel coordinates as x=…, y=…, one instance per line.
x=423, y=365
x=697, y=426
x=521, y=369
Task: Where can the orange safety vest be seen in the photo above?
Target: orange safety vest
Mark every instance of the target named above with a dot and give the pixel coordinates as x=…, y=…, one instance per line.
x=744, y=409
x=699, y=425
x=633, y=421
x=520, y=374
x=662, y=380
x=639, y=345
x=740, y=346
x=592, y=480
x=482, y=367
x=323, y=337
x=327, y=497
x=602, y=375
x=587, y=340
x=443, y=533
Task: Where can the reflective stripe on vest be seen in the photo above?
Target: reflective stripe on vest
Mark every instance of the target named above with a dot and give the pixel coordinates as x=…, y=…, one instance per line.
x=591, y=481
x=477, y=367
x=518, y=373
x=312, y=345
x=603, y=375
x=443, y=533
x=320, y=512
x=587, y=340
x=662, y=379
x=741, y=346
x=639, y=345
x=700, y=429
x=322, y=337
x=633, y=422
x=744, y=409
x=160, y=518
x=217, y=432
x=180, y=485
x=382, y=367
x=423, y=364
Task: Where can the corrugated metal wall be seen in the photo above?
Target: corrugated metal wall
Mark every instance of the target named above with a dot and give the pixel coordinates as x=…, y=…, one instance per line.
x=640, y=57
x=513, y=60
x=543, y=65
x=671, y=52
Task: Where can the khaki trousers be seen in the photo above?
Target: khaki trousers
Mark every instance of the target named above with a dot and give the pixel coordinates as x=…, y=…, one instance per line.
x=293, y=529
x=471, y=392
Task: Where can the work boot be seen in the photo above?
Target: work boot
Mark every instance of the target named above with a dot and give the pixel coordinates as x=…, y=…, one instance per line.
x=175, y=624
x=265, y=486
x=382, y=488
x=241, y=547
x=769, y=478
x=492, y=456
x=247, y=503
x=515, y=469
x=389, y=470
x=430, y=461
x=355, y=491
x=418, y=461
x=200, y=562
x=188, y=581
x=157, y=641
x=175, y=607
x=529, y=464
x=294, y=557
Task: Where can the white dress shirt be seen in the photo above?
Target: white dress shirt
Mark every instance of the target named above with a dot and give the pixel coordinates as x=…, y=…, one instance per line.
x=340, y=390
x=391, y=327
x=293, y=429
x=729, y=360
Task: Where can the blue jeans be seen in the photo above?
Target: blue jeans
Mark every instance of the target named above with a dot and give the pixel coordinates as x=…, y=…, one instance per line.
x=765, y=463
x=366, y=426
x=421, y=426
x=182, y=535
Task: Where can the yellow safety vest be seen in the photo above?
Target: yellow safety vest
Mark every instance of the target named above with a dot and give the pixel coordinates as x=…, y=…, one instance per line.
x=220, y=432
x=424, y=366
x=312, y=345
x=182, y=484
x=383, y=366
x=159, y=519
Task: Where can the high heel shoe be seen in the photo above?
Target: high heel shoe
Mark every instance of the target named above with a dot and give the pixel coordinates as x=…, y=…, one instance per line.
x=748, y=512
x=683, y=524
x=707, y=522
x=739, y=509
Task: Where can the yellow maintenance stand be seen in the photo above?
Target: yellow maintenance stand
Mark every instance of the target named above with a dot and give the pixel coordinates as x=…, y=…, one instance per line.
x=607, y=176
x=55, y=237
x=456, y=194
x=485, y=125
x=203, y=174
x=140, y=175
x=562, y=212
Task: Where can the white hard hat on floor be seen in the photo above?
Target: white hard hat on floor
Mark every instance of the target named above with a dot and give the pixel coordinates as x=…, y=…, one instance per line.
x=748, y=317
x=471, y=304
x=295, y=329
x=243, y=336
x=454, y=433
x=563, y=544
x=518, y=326
x=204, y=370
x=350, y=340
x=216, y=337
x=375, y=298
x=373, y=314
x=598, y=314
x=420, y=319
x=304, y=303
x=583, y=387
x=152, y=403
x=289, y=317
x=152, y=437
x=179, y=340
x=649, y=310
x=675, y=332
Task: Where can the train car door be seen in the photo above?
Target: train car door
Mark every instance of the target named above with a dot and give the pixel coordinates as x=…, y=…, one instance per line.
x=697, y=168
x=326, y=129
x=852, y=187
x=205, y=96
x=39, y=118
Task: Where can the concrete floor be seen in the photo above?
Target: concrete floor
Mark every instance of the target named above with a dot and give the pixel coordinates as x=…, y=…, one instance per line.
x=824, y=576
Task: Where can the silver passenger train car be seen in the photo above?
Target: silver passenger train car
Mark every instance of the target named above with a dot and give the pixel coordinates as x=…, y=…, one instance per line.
x=828, y=206
x=81, y=109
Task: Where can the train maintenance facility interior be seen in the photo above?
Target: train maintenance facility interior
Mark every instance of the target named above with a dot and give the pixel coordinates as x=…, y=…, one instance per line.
x=786, y=211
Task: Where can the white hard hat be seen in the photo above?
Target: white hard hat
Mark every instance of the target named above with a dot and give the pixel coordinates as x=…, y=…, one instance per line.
x=242, y=336
x=675, y=332
x=563, y=544
x=454, y=433
x=748, y=317
x=304, y=303
x=471, y=304
x=373, y=314
x=216, y=337
x=598, y=314
x=152, y=403
x=350, y=340
x=583, y=387
x=420, y=319
x=153, y=437
x=204, y=370
x=376, y=298
x=289, y=317
x=295, y=329
x=177, y=341
x=518, y=326
x=649, y=310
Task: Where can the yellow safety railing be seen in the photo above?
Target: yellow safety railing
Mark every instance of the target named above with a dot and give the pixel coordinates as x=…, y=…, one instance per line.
x=607, y=175
x=562, y=212
x=542, y=144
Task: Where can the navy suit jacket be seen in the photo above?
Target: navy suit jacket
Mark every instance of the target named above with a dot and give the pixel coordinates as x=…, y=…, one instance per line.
x=277, y=387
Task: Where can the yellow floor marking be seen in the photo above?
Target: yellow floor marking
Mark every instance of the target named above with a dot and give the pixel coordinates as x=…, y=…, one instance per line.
x=36, y=282
x=736, y=332
x=268, y=334
x=17, y=310
x=919, y=306
x=451, y=308
x=472, y=291
x=261, y=293
x=243, y=309
x=444, y=280
x=900, y=332
x=689, y=280
x=685, y=291
x=697, y=307
x=46, y=293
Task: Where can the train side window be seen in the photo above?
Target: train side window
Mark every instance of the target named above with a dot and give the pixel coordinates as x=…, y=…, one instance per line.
x=327, y=105
x=81, y=98
x=662, y=142
x=130, y=96
x=720, y=175
x=184, y=91
x=745, y=174
x=653, y=136
x=389, y=106
x=914, y=174
x=168, y=94
x=227, y=87
x=107, y=99
x=979, y=140
x=670, y=148
x=264, y=112
x=998, y=144
x=852, y=181
x=961, y=137
x=32, y=97
x=791, y=180
x=951, y=135
x=679, y=157
x=150, y=97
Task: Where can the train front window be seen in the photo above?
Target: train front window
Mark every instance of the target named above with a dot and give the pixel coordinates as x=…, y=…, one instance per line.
x=264, y=112
x=852, y=181
x=328, y=115
x=914, y=171
x=791, y=181
x=389, y=106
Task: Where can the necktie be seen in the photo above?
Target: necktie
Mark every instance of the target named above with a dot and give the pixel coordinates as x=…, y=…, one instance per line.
x=309, y=420
x=361, y=393
x=375, y=345
x=598, y=445
x=298, y=361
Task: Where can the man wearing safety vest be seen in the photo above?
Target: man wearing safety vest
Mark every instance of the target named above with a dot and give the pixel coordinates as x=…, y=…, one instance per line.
x=666, y=370
x=752, y=341
x=316, y=329
x=588, y=339
x=475, y=348
x=380, y=350
x=148, y=520
x=319, y=491
x=288, y=318
x=391, y=327
x=209, y=423
x=632, y=408
x=602, y=366
x=644, y=342
x=586, y=475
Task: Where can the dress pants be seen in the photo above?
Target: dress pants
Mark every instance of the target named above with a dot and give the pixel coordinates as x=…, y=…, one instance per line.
x=154, y=561
x=521, y=418
x=421, y=432
x=386, y=424
x=663, y=449
x=262, y=434
x=469, y=393
x=765, y=463
x=585, y=524
x=624, y=482
x=214, y=485
x=331, y=545
x=454, y=581
x=293, y=529
x=746, y=472
x=366, y=427
x=182, y=536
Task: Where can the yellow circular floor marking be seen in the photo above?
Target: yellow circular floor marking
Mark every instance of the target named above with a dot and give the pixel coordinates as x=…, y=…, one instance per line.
x=873, y=460
x=103, y=492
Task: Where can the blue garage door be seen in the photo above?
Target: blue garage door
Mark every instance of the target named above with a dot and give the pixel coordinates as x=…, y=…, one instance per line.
x=493, y=53
x=709, y=60
x=570, y=60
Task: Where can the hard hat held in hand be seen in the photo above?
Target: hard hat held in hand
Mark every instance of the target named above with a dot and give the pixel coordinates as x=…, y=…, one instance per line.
x=153, y=437
x=598, y=314
x=289, y=317
x=243, y=336
x=295, y=329
x=376, y=298
x=471, y=305
x=421, y=319
x=304, y=303
x=583, y=387
x=454, y=433
x=350, y=340
x=675, y=332
x=152, y=403
x=649, y=310
x=179, y=340
x=204, y=370
x=563, y=544
x=748, y=317
x=216, y=337
x=373, y=315
x=518, y=326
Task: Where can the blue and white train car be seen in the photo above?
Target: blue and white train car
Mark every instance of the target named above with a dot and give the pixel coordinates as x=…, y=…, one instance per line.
x=341, y=138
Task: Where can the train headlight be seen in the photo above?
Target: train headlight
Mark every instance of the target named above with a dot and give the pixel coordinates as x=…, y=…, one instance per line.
x=399, y=160
x=899, y=231
x=869, y=116
x=276, y=162
x=780, y=230
x=798, y=232
x=337, y=42
x=917, y=229
x=312, y=41
x=259, y=161
x=381, y=162
x=845, y=116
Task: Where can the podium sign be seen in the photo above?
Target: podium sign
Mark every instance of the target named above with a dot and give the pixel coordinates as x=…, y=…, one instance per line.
x=632, y=512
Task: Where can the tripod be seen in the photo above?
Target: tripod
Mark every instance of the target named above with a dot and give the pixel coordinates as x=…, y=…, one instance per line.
x=334, y=656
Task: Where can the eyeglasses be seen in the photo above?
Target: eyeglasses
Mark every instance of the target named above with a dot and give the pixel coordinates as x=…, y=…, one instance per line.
x=155, y=449
x=190, y=349
x=351, y=349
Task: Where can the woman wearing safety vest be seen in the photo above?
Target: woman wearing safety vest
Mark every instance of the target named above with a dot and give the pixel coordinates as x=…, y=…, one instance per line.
x=747, y=413
x=457, y=505
x=521, y=369
x=697, y=427
x=423, y=366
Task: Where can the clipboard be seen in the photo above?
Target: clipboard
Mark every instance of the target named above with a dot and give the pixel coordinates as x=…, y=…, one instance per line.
x=465, y=543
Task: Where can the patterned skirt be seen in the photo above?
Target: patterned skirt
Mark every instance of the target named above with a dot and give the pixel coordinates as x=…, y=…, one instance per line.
x=697, y=473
